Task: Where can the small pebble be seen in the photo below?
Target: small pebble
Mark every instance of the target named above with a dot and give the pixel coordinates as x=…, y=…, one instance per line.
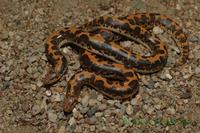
x=4, y=35
x=26, y=106
x=92, y=120
x=72, y=121
x=48, y=93
x=111, y=102
x=197, y=70
x=56, y=97
x=52, y=116
x=102, y=107
x=178, y=7
x=197, y=102
x=78, y=129
x=92, y=128
x=85, y=101
x=151, y=84
x=66, y=50
x=62, y=129
x=100, y=97
x=5, y=85
x=92, y=102
x=193, y=38
x=157, y=30
x=150, y=110
x=129, y=110
x=171, y=111
x=39, y=83
x=134, y=101
x=9, y=112
x=59, y=89
x=7, y=78
x=84, y=110
x=36, y=110
x=91, y=112
x=168, y=76
x=33, y=87
x=98, y=114
x=77, y=114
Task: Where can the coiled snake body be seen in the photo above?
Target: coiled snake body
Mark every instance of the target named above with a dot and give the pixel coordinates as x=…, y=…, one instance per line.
x=107, y=66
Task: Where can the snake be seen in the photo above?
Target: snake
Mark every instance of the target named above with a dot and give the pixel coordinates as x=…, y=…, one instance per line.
x=107, y=66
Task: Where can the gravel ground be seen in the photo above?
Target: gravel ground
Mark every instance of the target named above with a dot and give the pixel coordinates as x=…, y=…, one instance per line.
x=168, y=101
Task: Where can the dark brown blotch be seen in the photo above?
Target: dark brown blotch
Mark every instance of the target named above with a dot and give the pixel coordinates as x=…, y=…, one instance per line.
x=57, y=53
x=144, y=18
x=137, y=30
x=133, y=84
x=161, y=51
x=53, y=47
x=109, y=20
x=109, y=81
x=78, y=32
x=152, y=17
x=129, y=74
x=84, y=38
x=131, y=21
x=101, y=20
x=99, y=84
x=177, y=33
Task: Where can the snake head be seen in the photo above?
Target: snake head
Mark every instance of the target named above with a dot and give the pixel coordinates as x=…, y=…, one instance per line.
x=69, y=103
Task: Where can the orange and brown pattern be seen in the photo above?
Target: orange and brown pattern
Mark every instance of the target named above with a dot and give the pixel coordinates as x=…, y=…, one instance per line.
x=107, y=66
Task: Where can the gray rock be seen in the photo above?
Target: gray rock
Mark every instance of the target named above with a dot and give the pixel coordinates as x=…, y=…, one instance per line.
x=84, y=110
x=92, y=128
x=30, y=70
x=85, y=101
x=72, y=121
x=123, y=109
x=26, y=106
x=39, y=83
x=6, y=85
x=35, y=110
x=193, y=38
x=91, y=112
x=118, y=104
x=151, y=84
x=93, y=95
x=102, y=107
x=33, y=59
x=100, y=97
x=52, y=116
x=134, y=102
x=92, y=120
